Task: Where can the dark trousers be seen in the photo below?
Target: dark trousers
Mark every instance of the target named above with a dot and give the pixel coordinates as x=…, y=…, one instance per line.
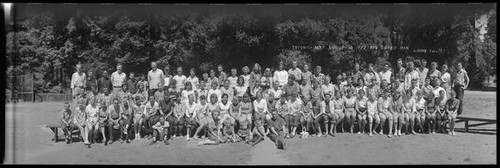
x=67, y=128
x=111, y=129
x=460, y=96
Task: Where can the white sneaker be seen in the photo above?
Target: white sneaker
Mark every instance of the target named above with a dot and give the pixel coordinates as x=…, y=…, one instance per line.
x=359, y=132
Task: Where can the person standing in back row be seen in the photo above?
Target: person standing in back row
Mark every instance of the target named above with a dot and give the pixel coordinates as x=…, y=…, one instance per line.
x=155, y=79
x=118, y=78
x=78, y=81
x=281, y=75
x=295, y=71
x=460, y=83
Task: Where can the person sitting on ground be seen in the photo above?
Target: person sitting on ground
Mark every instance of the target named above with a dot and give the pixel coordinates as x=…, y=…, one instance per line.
x=160, y=131
x=277, y=130
x=67, y=124
x=452, y=106
x=115, y=116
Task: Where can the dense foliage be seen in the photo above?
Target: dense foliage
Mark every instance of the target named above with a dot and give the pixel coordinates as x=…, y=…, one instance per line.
x=50, y=42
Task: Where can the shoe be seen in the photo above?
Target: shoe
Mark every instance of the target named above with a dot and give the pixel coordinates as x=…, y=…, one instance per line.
x=381, y=133
x=389, y=135
x=110, y=142
x=195, y=137
x=128, y=141
x=453, y=133
x=359, y=132
x=121, y=140
x=413, y=132
x=105, y=143
x=166, y=142
x=293, y=135
x=370, y=134
x=87, y=145
x=188, y=138
x=152, y=142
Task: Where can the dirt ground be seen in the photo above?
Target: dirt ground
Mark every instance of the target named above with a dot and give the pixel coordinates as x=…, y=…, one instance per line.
x=29, y=142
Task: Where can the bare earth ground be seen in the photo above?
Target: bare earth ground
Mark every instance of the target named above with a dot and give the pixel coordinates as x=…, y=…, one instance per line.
x=33, y=145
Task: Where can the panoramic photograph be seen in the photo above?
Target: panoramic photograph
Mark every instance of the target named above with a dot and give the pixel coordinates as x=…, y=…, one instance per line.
x=250, y=84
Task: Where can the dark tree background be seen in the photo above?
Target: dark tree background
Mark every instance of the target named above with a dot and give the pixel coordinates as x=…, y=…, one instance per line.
x=48, y=40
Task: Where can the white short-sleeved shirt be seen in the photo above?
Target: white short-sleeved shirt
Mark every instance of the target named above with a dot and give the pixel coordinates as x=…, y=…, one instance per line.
x=155, y=78
x=260, y=106
x=118, y=79
x=179, y=81
x=372, y=107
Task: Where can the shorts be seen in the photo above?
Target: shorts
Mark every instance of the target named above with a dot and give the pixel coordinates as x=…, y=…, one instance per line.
x=374, y=117
x=442, y=117
x=350, y=112
x=340, y=114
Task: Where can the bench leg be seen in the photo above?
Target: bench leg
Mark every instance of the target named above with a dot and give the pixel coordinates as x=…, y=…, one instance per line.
x=466, y=125
x=55, y=134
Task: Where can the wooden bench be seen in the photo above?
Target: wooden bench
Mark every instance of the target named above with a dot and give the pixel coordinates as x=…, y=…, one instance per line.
x=467, y=119
x=56, y=127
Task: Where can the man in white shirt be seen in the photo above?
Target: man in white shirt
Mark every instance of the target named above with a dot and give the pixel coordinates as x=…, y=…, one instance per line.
x=78, y=81
x=281, y=75
x=155, y=79
x=118, y=78
x=411, y=74
x=295, y=72
x=386, y=73
x=180, y=79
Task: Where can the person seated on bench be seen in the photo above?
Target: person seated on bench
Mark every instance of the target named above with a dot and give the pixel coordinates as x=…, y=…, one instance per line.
x=441, y=116
x=80, y=121
x=451, y=109
x=92, y=120
x=67, y=124
x=103, y=118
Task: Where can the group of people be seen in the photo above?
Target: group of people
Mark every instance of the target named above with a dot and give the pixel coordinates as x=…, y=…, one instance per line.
x=248, y=106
